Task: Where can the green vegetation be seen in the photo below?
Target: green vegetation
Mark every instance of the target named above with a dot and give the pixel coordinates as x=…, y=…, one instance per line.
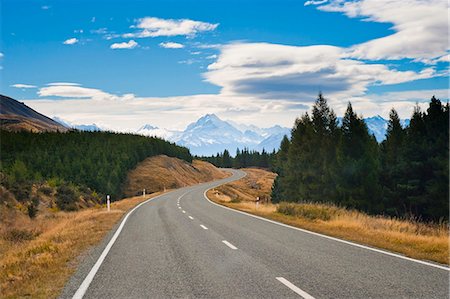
x=74, y=164
x=244, y=158
x=405, y=176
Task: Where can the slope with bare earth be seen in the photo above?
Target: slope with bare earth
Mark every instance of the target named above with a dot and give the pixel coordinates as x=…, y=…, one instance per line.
x=428, y=241
x=16, y=116
x=161, y=172
x=37, y=256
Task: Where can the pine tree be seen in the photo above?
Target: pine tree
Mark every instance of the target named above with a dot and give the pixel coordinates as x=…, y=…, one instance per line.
x=391, y=160
x=226, y=159
x=358, y=163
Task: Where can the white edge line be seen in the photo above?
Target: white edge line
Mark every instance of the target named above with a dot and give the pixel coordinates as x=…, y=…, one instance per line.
x=87, y=281
x=190, y=217
x=294, y=288
x=325, y=236
x=229, y=244
x=202, y=226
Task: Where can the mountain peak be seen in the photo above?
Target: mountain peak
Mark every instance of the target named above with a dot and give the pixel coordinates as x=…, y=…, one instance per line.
x=148, y=127
x=376, y=117
x=209, y=116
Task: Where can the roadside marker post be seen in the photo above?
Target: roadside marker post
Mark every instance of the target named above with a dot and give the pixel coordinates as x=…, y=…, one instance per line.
x=143, y=193
x=108, y=203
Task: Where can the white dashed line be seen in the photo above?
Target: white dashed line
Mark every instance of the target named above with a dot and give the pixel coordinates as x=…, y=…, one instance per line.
x=184, y=212
x=202, y=226
x=229, y=245
x=179, y=208
x=190, y=217
x=294, y=288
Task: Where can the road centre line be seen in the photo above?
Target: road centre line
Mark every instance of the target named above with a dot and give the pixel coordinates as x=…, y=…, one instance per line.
x=294, y=288
x=229, y=245
x=202, y=226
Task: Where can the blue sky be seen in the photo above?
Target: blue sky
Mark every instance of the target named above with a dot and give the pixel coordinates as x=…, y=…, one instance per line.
x=122, y=64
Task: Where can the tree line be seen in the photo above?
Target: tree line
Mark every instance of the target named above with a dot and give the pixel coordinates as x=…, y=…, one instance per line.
x=98, y=160
x=243, y=158
x=405, y=176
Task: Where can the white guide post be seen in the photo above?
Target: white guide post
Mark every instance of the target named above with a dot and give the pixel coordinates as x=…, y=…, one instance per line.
x=108, y=203
x=143, y=193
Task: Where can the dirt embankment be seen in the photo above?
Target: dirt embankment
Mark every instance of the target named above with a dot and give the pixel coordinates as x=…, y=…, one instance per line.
x=161, y=172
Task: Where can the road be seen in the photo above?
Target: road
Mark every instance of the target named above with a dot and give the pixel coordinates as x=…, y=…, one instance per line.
x=182, y=245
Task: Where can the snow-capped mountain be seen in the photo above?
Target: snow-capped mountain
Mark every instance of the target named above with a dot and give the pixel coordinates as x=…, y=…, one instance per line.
x=149, y=130
x=377, y=126
x=82, y=127
x=210, y=135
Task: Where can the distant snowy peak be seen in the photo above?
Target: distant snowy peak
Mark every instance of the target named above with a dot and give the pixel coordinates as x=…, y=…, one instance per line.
x=377, y=126
x=153, y=131
x=81, y=127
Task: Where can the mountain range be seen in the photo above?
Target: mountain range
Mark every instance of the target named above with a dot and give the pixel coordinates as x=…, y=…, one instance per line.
x=210, y=135
x=207, y=136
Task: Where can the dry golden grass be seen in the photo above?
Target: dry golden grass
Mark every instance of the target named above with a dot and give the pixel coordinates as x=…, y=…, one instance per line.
x=39, y=266
x=426, y=241
x=159, y=172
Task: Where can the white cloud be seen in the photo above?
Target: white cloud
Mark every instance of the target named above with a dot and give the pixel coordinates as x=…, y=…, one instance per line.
x=171, y=45
x=125, y=45
x=421, y=28
x=1, y=55
x=317, y=2
x=71, y=41
x=45, y=7
x=69, y=90
x=93, y=20
x=278, y=71
x=153, y=27
x=19, y=85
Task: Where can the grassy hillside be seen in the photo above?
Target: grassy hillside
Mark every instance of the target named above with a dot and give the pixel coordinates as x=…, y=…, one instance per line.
x=429, y=241
x=160, y=172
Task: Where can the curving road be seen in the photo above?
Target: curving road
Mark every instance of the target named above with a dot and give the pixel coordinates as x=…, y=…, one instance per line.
x=182, y=245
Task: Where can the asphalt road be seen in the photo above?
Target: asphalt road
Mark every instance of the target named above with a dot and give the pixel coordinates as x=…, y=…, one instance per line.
x=181, y=245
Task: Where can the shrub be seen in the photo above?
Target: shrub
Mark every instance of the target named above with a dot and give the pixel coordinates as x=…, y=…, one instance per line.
x=18, y=235
x=66, y=198
x=21, y=191
x=46, y=190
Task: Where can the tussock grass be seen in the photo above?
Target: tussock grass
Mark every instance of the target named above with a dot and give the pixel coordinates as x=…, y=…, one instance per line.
x=413, y=238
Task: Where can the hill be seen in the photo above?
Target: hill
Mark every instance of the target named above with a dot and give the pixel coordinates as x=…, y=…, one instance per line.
x=159, y=172
x=16, y=116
